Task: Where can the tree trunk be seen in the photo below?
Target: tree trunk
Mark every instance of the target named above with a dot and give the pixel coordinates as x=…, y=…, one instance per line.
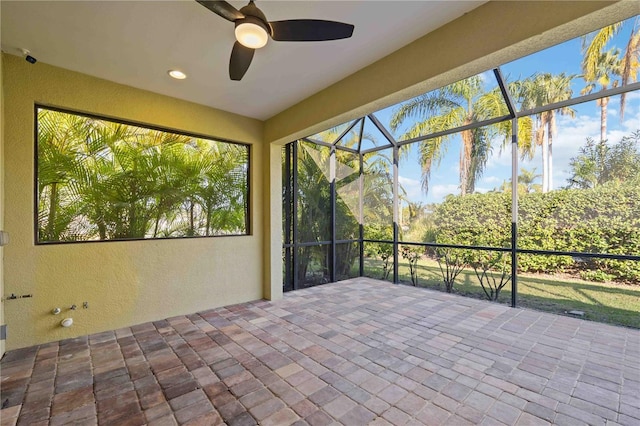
x=552, y=126
x=53, y=204
x=603, y=118
x=102, y=230
x=545, y=165
x=209, y=208
x=191, y=219
x=100, y=219
x=132, y=209
x=465, y=161
x=155, y=228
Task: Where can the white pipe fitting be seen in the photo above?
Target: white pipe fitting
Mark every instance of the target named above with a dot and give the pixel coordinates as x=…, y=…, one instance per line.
x=67, y=322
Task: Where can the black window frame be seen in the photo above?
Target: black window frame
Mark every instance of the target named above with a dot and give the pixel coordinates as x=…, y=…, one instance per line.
x=248, y=190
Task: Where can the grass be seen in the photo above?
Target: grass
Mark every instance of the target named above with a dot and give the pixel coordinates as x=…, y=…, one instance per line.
x=615, y=304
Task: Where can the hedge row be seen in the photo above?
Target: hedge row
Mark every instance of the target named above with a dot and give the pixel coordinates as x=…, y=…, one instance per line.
x=605, y=219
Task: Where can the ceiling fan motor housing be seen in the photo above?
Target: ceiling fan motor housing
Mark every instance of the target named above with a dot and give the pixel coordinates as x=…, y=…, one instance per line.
x=253, y=15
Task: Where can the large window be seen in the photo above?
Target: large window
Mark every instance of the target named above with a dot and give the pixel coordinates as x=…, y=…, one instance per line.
x=98, y=180
x=520, y=184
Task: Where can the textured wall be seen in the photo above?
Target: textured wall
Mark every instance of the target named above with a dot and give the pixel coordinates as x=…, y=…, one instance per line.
x=125, y=283
x=2, y=341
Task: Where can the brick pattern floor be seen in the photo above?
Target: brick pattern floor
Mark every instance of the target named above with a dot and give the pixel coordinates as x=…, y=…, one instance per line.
x=355, y=352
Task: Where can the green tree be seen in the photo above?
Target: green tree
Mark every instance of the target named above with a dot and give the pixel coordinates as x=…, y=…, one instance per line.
x=100, y=197
x=59, y=164
x=458, y=104
x=595, y=60
x=493, y=270
x=540, y=90
x=526, y=181
x=608, y=66
x=598, y=163
x=104, y=180
x=222, y=197
x=314, y=200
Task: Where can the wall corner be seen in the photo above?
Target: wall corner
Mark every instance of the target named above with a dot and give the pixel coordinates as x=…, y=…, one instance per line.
x=273, y=224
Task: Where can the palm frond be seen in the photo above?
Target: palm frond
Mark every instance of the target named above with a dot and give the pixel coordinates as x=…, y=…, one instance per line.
x=422, y=107
x=480, y=152
x=438, y=123
x=630, y=65
x=431, y=153
x=467, y=89
x=592, y=46
x=526, y=141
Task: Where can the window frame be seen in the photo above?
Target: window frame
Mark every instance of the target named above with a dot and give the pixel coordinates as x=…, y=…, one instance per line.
x=248, y=231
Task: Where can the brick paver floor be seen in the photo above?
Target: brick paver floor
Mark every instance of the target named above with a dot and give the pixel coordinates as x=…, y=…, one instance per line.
x=355, y=352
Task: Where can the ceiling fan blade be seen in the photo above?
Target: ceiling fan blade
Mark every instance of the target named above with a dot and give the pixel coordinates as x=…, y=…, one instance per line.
x=310, y=30
x=223, y=9
x=241, y=57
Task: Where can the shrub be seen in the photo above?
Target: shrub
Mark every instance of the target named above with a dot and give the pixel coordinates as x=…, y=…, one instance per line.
x=451, y=262
x=412, y=254
x=382, y=250
x=482, y=263
x=605, y=219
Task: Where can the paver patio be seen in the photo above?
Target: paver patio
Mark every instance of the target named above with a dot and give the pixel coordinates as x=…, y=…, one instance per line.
x=355, y=352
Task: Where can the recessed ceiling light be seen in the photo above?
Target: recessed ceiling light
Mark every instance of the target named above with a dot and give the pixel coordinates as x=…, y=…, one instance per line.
x=178, y=75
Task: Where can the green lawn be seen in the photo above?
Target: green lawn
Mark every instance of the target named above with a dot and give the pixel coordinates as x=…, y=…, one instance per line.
x=609, y=303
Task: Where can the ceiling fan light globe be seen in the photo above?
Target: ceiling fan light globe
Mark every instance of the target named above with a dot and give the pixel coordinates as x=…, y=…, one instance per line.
x=251, y=35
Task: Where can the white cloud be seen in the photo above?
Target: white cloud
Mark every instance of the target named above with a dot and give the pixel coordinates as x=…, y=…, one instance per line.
x=631, y=99
x=491, y=179
x=438, y=192
x=488, y=78
x=633, y=96
x=488, y=183
x=500, y=159
x=412, y=187
x=573, y=133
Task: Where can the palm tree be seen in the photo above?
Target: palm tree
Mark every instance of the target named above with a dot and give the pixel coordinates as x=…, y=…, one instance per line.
x=593, y=46
x=455, y=105
x=526, y=180
x=598, y=163
x=313, y=165
x=608, y=66
x=98, y=181
x=539, y=90
x=222, y=197
x=58, y=136
x=105, y=180
x=588, y=166
x=526, y=183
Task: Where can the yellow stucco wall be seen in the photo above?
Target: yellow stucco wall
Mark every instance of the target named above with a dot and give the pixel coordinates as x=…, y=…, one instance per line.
x=125, y=283
x=2, y=322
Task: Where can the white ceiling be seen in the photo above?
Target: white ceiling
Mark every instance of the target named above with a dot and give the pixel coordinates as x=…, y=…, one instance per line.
x=137, y=42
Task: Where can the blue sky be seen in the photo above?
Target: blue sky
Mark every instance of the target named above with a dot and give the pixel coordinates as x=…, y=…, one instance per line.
x=572, y=132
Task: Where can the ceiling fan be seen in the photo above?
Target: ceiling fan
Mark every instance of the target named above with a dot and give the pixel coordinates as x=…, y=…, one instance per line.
x=253, y=31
